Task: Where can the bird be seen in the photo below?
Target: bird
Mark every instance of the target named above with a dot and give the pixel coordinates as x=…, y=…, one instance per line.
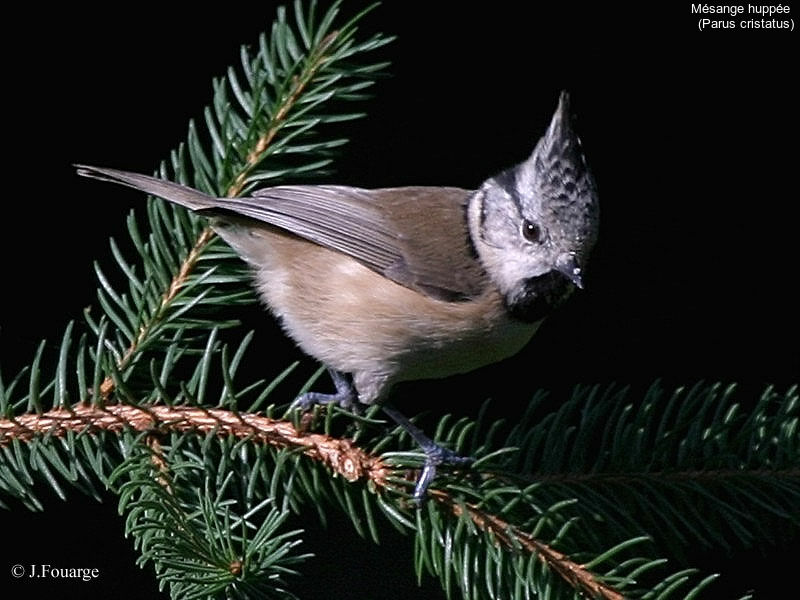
x=407, y=283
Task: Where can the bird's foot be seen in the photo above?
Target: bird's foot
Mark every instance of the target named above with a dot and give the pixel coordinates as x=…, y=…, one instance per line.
x=435, y=454
x=344, y=396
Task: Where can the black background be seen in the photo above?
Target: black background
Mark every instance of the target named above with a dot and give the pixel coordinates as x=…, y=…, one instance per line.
x=691, y=137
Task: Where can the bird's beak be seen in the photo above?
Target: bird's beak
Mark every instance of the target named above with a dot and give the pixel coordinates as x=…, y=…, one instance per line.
x=570, y=269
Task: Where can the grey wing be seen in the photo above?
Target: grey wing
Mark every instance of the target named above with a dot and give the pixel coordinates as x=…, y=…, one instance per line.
x=415, y=236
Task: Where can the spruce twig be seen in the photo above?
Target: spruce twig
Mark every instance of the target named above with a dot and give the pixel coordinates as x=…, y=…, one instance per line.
x=341, y=456
x=310, y=68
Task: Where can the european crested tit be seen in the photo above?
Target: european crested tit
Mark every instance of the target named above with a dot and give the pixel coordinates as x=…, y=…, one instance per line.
x=398, y=284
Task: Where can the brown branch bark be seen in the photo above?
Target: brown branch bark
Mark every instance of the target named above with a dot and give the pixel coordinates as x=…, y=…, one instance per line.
x=340, y=455
x=575, y=574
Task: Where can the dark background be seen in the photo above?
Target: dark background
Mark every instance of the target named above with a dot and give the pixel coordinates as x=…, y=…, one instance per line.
x=691, y=137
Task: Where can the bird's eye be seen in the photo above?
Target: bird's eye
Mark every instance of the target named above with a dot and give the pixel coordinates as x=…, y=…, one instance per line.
x=531, y=231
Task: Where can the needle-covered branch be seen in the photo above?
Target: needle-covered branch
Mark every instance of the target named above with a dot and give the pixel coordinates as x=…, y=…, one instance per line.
x=340, y=455
x=489, y=516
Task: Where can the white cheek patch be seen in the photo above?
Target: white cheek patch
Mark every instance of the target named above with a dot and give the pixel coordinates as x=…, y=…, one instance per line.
x=508, y=268
x=518, y=268
x=506, y=265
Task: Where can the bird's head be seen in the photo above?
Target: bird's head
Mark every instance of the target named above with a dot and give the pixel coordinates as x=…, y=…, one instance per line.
x=534, y=225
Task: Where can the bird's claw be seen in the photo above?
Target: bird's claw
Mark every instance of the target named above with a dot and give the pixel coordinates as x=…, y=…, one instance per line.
x=436, y=455
x=344, y=396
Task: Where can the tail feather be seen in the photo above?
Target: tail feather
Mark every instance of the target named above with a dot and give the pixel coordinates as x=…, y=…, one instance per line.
x=173, y=192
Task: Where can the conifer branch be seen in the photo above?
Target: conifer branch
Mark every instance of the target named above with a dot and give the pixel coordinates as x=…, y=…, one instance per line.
x=178, y=281
x=299, y=84
x=504, y=528
x=341, y=456
x=261, y=148
x=511, y=537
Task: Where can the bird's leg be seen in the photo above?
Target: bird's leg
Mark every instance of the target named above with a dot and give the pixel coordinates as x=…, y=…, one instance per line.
x=435, y=454
x=345, y=395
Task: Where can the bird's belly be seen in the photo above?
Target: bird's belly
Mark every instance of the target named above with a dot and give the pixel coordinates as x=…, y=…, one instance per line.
x=356, y=321
x=441, y=354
